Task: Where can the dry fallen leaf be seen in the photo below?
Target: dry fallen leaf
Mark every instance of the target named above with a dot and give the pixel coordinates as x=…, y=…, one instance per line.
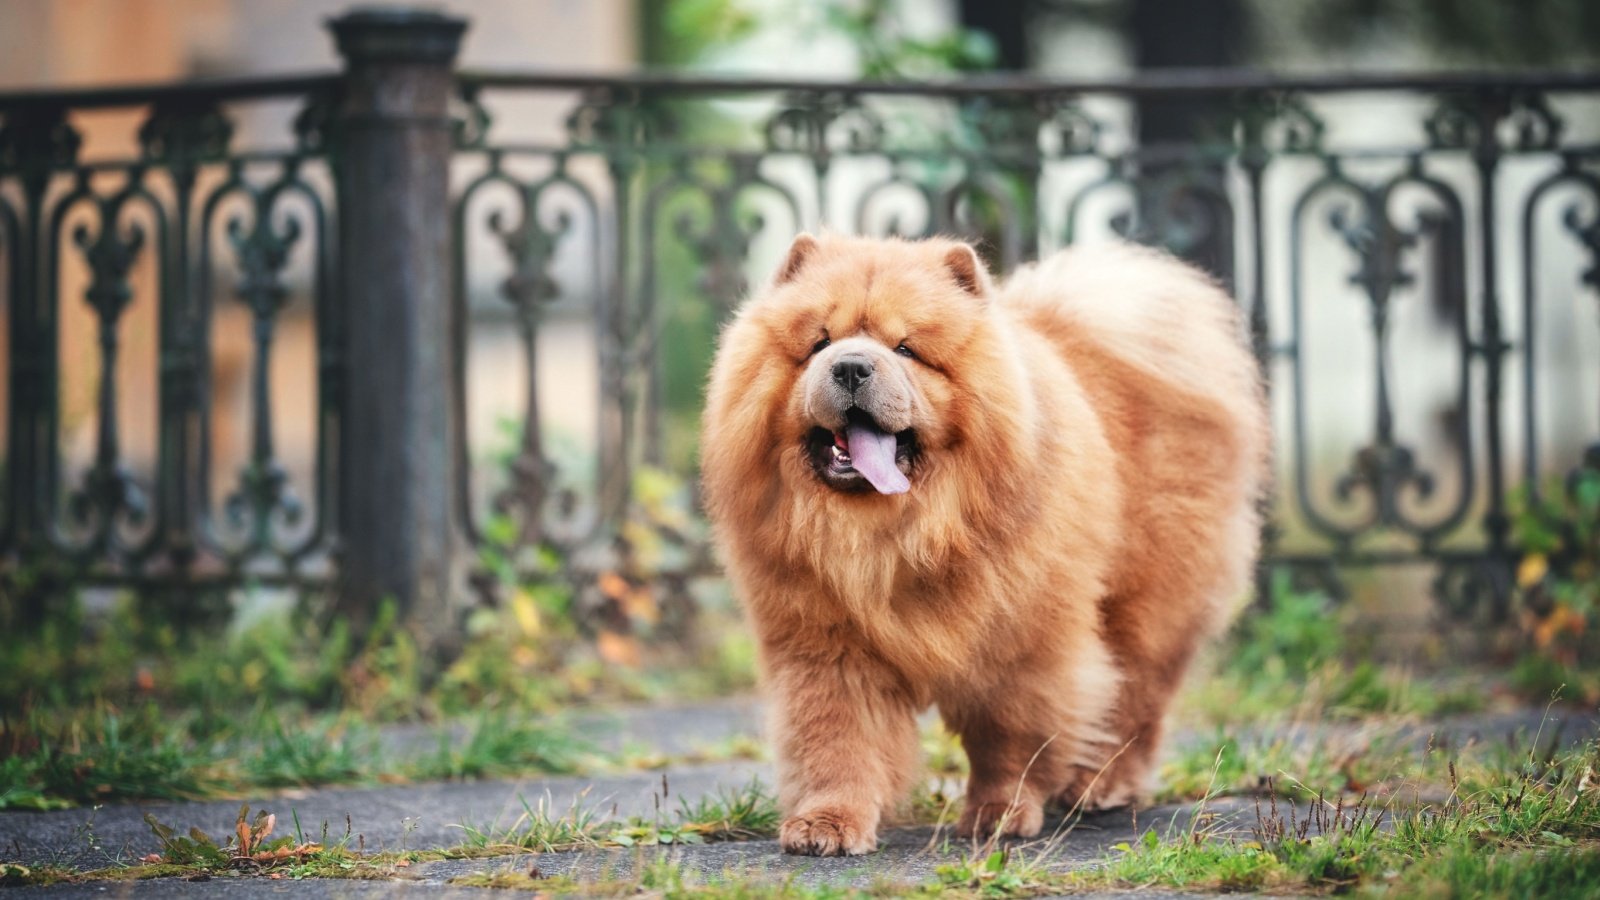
x=1532, y=571
x=613, y=585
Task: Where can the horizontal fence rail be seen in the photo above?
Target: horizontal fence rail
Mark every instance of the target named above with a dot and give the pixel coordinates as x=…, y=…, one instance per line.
x=1417, y=257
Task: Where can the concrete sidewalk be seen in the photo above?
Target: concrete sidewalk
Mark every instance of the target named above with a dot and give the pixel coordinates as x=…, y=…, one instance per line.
x=433, y=816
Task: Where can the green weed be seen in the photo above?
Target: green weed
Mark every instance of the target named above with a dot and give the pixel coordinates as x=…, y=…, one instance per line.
x=311, y=754
x=103, y=754
x=538, y=828
x=500, y=744
x=748, y=812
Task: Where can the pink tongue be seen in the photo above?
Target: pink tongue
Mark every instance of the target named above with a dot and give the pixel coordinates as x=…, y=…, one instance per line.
x=872, y=454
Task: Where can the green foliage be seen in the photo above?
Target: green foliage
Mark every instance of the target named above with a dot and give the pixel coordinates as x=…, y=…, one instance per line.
x=991, y=876
x=130, y=705
x=500, y=744
x=1476, y=842
x=1189, y=861
x=1511, y=826
x=750, y=812
x=1558, y=587
x=887, y=51
x=103, y=754
x=304, y=754
x=1293, y=660
x=194, y=849
x=1231, y=762
x=742, y=814
x=1295, y=634
x=1461, y=872
x=686, y=32
x=251, y=845
x=538, y=829
x=682, y=31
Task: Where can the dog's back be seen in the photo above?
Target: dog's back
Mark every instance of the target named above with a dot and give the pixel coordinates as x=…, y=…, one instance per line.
x=1162, y=353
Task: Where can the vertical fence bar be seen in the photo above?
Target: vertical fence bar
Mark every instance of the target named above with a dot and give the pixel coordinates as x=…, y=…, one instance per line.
x=397, y=463
x=33, y=144
x=1490, y=108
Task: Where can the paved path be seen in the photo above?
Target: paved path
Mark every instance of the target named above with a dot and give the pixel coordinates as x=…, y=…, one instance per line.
x=433, y=815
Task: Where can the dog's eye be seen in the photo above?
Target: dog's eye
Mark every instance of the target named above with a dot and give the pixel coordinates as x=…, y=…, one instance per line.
x=905, y=351
x=820, y=346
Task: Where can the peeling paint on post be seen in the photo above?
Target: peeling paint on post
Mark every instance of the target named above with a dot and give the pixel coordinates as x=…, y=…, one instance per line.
x=396, y=461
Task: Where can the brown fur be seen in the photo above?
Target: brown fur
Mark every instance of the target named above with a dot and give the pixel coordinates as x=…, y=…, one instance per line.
x=1082, y=514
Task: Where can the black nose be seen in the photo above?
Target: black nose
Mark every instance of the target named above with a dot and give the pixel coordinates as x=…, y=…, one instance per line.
x=850, y=370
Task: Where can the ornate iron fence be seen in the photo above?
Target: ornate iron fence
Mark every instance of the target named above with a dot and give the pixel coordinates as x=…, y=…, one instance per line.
x=1417, y=256
x=1294, y=199
x=164, y=230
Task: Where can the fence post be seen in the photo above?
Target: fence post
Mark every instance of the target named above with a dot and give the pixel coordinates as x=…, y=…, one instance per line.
x=397, y=465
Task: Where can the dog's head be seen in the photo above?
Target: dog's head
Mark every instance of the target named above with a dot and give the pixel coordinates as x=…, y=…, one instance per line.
x=867, y=357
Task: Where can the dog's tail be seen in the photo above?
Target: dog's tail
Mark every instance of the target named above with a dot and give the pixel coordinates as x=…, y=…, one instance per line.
x=1150, y=310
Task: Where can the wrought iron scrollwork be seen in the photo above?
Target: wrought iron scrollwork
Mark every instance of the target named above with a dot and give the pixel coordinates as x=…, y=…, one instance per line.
x=1184, y=210
x=1472, y=121
x=716, y=220
x=720, y=242
x=531, y=245
x=900, y=181
x=35, y=143
x=262, y=518
x=262, y=249
x=314, y=123
x=1474, y=586
x=1069, y=130
x=820, y=124
x=472, y=125
x=542, y=513
x=1385, y=469
x=1003, y=129
x=1587, y=233
x=1454, y=124
x=1534, y=124
x=621, y=123
x=1572, y=176
x=661, y=204
x=134, y=242
x=1276, y=122
x=182, y=136
x=977, y=204
x=108, y=493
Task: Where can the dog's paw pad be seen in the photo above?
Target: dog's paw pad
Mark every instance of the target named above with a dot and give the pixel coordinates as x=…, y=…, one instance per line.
x=829, y=831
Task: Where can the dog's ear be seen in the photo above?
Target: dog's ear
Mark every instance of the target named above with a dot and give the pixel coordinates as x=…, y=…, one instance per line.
x=803, y=247
x=968, y=271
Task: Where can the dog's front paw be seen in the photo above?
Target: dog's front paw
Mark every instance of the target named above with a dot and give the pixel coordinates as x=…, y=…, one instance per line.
x=1021, y=819
x=829, y=831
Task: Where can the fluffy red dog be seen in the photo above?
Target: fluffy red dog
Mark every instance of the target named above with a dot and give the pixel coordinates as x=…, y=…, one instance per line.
x=1026, y=504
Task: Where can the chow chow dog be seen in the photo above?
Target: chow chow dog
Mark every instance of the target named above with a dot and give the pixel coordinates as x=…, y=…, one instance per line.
x=1026, y=503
